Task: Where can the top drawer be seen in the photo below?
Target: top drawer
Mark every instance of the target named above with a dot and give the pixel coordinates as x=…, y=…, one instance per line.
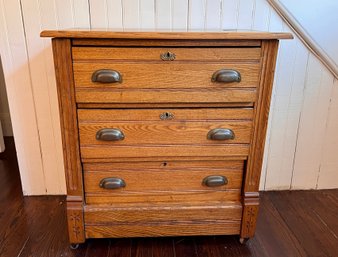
x=166, y=75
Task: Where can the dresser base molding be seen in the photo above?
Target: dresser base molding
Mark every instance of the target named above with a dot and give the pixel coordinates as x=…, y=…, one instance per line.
x=76, y=228
x=146, y=220
x=250, y=212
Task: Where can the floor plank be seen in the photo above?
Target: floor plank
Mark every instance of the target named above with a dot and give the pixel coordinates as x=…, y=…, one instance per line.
x=185, y=246
x=273, y=236
x=120, y=248
x=296, y=210
x=163, y=247
x=297, y=223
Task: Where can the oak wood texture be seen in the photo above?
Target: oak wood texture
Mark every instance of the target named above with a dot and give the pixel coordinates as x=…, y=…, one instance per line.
x=167, y=158
x=167, y=43
x=146, y=127
x=162, y=212
x=153, y=54
x=172, y=96
x=68, y=117
x=180, y=115
x=75, y=221
x=163, y=161
x=163, y=229
x=163, y=182
x=159, y=105
x=255, y=159
x=261, y=113
x=144, y=151
x=164, y=74
x=163, y=219
x=70, y=141
x=222, y=35
x=290, y=223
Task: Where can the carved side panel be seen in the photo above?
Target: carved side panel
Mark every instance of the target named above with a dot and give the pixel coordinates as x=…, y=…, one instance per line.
x=249, y=219
x=70, y=140
x=261, y=114
x=68, y=117
x=75, y=222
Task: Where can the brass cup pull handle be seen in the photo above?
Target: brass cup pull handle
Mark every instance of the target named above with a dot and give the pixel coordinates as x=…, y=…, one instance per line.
x=109, y=134
x=106, y=76
x=112, y=183
x=215, y=181
x=226, y=76
x=220, y=134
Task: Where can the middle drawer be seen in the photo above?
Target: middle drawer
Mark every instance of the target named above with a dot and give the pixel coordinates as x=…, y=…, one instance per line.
x=164, y=132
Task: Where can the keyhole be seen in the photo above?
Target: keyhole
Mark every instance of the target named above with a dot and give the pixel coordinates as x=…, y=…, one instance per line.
x=164, y=164
x=168, y=54
x=167, y=115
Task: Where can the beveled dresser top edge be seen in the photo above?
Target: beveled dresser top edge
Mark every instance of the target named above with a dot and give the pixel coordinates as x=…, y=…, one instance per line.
x=174, y=35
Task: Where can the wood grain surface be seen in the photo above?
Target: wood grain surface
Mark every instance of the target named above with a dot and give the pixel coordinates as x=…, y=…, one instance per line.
x=164, y=74
x=140, y=151
x=261, y=114
x=162, y=34
x=68, y=116
x=70, y=141
x=144, y=132
x=167, y=43
x=165, y=181
x=165, y=96
x=152, y=114
x=162, y=212
x=154, y=54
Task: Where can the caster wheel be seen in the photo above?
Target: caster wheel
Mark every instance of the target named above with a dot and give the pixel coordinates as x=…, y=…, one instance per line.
x=74, y=246
x=243, y=240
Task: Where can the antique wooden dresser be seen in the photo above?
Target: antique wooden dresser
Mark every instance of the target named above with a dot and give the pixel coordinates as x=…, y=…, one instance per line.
x=163, y=133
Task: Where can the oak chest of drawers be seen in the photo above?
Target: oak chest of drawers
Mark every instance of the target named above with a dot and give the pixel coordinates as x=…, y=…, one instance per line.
x=163, y=133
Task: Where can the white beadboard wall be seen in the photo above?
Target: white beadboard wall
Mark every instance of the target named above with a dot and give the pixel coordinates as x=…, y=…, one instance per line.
x=302, y=141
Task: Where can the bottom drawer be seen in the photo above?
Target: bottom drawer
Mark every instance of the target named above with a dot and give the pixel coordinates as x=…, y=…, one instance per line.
x=163, y=219
x=174, y=181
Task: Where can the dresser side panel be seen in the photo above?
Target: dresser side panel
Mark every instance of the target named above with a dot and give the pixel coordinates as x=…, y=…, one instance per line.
x=70, y=141
x=68, y=116
x=250, y=195
x=261, y=113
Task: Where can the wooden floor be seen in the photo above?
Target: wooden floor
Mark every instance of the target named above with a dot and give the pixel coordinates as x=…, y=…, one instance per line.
x=298, y=223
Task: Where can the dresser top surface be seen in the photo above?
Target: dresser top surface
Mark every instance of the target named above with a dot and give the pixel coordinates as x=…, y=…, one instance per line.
x=163, y=34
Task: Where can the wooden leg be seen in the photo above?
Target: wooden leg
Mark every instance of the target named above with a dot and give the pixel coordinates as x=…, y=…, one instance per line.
x=243, y=240
x=75, y=222
x=74, y=246
x=250, y=211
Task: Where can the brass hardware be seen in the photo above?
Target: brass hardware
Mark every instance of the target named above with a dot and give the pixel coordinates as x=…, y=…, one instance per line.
x=221, y=134
x=215, y=181
x=112, y=183
x=109, y=134
x=168, y=56
x=166, y=116
x=106, y=76
x=226, y=76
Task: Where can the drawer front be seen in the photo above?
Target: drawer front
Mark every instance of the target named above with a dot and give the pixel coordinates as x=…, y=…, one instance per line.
x=164, y=132
x=155, y=53
x=165, y=82
x=163, y=181
x=139, y=75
